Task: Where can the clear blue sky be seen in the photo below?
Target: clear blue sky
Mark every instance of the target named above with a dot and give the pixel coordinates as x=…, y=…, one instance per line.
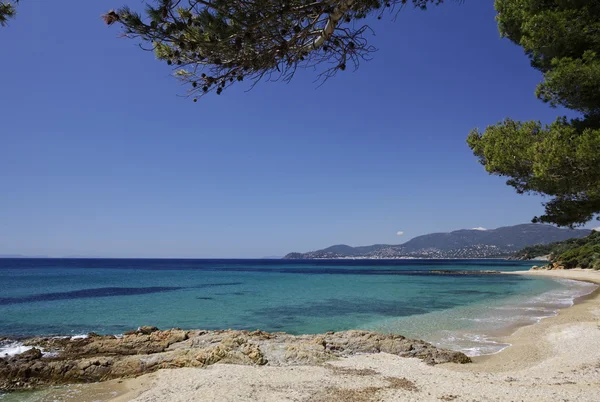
x=100, y=156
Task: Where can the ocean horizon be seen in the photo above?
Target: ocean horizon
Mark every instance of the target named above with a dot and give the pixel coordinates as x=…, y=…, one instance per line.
x=446, y=302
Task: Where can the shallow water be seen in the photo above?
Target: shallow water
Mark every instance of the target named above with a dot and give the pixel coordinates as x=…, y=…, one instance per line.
x=96, y=392
x=478, y=328
x=70, y=297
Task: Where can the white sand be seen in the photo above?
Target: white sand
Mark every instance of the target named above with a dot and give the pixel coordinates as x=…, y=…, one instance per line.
x=557, y=359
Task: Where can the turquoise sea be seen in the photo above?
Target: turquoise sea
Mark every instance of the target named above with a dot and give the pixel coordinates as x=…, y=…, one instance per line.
x=466, y=312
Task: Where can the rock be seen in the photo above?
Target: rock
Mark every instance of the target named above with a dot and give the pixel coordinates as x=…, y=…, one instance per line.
x=100, y=358
x=146, y=330
x=31, y=354
x=555, y=266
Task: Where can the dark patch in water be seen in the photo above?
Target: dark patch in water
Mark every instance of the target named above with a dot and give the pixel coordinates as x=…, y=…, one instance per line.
x=104, y=292
x=460, y=292
x=339, y=307
x=242, y=293
x=86, y=294
x=292, y=317
x=204, y=298
x=214, y=285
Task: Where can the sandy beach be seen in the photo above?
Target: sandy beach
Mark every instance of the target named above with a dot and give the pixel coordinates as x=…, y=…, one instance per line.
x=557, y=359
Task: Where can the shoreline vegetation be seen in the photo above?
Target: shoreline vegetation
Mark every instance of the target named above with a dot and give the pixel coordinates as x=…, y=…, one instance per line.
x=572, y=253
x=550, y=360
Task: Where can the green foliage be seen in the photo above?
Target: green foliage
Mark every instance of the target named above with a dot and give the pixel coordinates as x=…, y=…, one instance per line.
x=214, y=44
x=550, y=29
x=584, y=253
x=532, y=252
x=574, y=84
x=582, y=257
x=7, y=11
x=561, y=160
x=572, y=253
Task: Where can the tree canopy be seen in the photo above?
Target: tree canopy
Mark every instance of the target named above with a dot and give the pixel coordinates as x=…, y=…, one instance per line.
x=573, y=253
x=7, y=11
x=216, y=43
x=561, y=159
x=213, y=44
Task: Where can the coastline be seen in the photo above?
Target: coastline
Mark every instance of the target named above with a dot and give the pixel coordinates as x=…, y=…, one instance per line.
x=525, y=345
x=553, y=359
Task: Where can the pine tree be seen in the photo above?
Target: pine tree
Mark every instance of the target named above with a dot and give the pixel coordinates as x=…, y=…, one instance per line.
x=562, y=159
x=214, y=44
x=7, y=11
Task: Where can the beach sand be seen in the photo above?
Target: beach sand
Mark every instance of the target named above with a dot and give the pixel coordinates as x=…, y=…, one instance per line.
x=557, y=359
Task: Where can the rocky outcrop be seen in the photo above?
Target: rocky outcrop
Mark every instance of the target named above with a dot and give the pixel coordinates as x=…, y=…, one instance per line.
x=139, y=342
x=99, y=358
x=550, y=267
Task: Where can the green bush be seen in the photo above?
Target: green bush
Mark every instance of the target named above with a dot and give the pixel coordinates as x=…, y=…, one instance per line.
x=572, y=253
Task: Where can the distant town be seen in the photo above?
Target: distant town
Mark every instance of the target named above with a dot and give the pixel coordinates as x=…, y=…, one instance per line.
x=465, y=243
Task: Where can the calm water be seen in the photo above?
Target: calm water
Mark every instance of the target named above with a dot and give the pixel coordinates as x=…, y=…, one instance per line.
x=71, y=296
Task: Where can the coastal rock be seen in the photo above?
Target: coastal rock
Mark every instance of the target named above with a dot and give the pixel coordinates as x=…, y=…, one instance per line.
x=99, y=358
x=145, y=330
x=135, y=343
x=29, y=355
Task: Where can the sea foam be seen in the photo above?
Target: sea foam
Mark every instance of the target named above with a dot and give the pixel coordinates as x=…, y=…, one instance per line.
x=10, y=349
x=520, y=311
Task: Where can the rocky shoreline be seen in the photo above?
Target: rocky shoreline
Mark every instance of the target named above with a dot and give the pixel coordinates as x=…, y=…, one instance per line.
x=548, y=267
x=55, y=361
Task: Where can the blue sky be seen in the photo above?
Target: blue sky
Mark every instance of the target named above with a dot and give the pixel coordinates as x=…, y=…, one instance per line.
x=101, y=156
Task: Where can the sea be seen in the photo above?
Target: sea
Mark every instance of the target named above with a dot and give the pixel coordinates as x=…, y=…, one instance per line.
x=446, y=302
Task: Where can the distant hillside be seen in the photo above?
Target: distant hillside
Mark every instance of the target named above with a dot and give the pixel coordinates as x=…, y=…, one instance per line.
x=465, y=243
x=572, y=253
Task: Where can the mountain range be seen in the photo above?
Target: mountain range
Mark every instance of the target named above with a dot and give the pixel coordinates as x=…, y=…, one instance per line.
x=464, y=243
